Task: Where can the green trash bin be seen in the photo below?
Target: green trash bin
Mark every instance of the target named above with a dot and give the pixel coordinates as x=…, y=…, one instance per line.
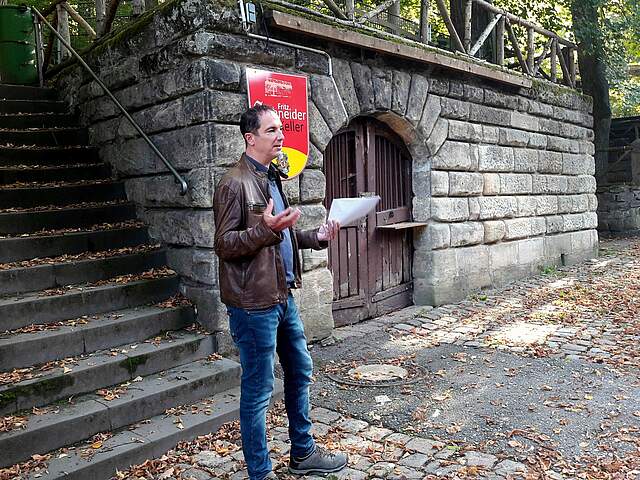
x=18, y=58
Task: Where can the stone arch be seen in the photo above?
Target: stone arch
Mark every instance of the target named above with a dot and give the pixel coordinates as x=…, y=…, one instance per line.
x=399, y=99
x=404, y=102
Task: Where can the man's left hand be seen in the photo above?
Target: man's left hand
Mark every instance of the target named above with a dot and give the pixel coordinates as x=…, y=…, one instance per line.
x=328, y=231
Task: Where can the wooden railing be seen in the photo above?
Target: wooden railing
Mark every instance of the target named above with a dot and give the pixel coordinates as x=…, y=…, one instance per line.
x=553, y=58
x=544, y=53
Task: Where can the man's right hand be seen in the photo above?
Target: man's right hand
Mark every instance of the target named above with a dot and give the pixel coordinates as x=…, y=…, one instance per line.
x=281, y=221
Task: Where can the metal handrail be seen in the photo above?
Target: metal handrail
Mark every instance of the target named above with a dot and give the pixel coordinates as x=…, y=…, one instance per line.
x=183, y=184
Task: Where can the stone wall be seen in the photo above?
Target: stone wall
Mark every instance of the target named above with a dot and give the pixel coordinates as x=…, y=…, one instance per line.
x=502, y=175
x=512, y=188
x=619, y=208
x=189, y=103
x=619, y=198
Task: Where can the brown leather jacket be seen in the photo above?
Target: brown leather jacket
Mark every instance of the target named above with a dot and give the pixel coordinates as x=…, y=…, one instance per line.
x=251, y=269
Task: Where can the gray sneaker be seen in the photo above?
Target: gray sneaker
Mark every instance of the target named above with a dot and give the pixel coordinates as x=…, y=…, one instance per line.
x=319, y=462
x=271, y=475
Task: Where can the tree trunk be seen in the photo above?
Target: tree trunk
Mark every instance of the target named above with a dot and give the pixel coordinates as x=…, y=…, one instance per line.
x=593, y=76
x=456, y=12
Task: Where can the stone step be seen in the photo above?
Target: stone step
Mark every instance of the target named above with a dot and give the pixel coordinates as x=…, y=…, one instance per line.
x=36, y=221
x=91, y=414
x=56, y=173
x=71, y=243
x=47, y=155
x=62, y=194
x=37, y=120
x=44, y=136
x=146, y=441
x=20, y=92
x=42, y=274
x=99, y=369
x=52, y=306
x=89, y=333
x=41, y=208
x=33, y=106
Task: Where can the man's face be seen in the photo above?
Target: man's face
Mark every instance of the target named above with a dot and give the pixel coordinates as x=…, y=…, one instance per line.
x=266, y=142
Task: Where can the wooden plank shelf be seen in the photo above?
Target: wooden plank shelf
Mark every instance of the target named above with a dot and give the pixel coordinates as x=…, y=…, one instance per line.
x=402, y=225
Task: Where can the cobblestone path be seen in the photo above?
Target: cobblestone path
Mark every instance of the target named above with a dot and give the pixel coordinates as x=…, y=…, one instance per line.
x=539, y=379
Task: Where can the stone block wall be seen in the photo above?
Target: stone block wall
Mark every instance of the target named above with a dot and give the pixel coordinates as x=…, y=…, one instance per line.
x=502, y=175
x=619, y=198
x=512, y=188
x=619, y=208
x=185, y=87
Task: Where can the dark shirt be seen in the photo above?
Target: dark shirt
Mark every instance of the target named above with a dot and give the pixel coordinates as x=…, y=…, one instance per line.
x=286, y=248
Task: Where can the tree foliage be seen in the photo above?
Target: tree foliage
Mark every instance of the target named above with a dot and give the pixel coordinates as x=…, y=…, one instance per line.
x=86, y=8
x=614, y=32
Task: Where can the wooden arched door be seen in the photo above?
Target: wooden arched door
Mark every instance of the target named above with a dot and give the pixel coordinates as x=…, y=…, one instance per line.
x=370, y=262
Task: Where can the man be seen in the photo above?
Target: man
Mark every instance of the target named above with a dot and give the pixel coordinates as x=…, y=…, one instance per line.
x=259, y=265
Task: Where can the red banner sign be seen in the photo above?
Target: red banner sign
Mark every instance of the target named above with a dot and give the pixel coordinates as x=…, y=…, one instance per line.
x=288, y=95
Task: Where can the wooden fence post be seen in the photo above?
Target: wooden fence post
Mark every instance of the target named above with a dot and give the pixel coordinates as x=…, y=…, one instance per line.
x=531, y=49
x=500, y=42
x=351, y=9
x=425, y=29
x=394, y=17
x=554, y=60
x=63, y=30
x=100, y=12
x=571, y=63
x=467, y=24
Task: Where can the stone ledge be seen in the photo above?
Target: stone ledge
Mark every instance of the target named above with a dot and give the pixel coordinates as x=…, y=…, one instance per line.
x=287, y=21
x=448, y=277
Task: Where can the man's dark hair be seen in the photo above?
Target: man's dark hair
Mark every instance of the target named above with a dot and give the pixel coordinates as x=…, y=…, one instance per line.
x=250, y=119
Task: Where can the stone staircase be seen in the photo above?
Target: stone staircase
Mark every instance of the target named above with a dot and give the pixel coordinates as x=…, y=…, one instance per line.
x=101, y=363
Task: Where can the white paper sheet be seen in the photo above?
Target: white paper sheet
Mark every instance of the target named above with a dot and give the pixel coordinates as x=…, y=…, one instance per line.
x=349, y=210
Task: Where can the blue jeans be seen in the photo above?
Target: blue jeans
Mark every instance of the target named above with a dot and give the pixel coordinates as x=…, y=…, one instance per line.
x=258, y=334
